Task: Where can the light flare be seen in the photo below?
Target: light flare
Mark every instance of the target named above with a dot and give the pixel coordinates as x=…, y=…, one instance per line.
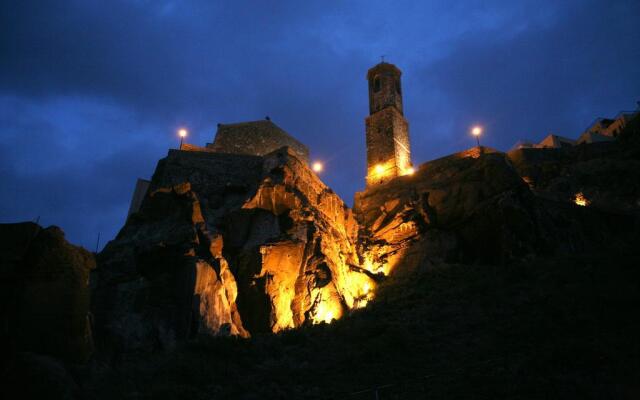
x=409, y=171
x=372, y=266
x=326, y=312
x=580, y=200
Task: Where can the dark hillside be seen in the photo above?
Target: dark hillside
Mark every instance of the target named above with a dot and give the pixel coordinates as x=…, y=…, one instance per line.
x=563, y=327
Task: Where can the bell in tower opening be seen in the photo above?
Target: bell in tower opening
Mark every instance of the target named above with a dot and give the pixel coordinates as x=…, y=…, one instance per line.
x=388, y=148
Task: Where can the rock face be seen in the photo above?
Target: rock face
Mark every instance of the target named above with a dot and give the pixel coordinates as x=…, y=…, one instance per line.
x=45, y=292
x=604, y=175
x=475, y=207
x=228, y=244
x=232, y=244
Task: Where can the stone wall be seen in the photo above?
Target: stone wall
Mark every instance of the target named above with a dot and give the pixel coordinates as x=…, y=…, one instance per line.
x=256, y=138
x=387, y=131
x=139, y=192
x=388, y=146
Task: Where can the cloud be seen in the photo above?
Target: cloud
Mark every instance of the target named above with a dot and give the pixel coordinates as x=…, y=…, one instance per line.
x=543, y=78
x=91, y=93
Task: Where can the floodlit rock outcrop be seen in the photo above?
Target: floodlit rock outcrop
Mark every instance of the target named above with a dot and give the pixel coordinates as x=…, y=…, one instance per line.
x=228, y=244
x=45, y=292
x=164, y=277
x=231, y=244
x=475, y=207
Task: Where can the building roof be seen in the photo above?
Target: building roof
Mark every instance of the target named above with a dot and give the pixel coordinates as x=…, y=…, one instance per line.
x=383, y=67
x=594, y=137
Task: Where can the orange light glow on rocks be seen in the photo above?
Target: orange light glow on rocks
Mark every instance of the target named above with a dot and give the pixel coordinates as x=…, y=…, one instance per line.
x=581, y=200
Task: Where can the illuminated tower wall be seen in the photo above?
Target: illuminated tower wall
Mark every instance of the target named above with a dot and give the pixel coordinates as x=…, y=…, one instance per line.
x=388, y=148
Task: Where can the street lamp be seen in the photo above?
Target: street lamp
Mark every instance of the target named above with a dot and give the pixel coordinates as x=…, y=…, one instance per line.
x=317, y=167
x=182, y=132
x=477, y=131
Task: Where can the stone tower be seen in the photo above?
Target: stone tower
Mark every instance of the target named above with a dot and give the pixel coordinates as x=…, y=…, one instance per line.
x=388, y=148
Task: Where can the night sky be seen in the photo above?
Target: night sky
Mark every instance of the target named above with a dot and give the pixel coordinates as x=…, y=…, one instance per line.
x=92, y=92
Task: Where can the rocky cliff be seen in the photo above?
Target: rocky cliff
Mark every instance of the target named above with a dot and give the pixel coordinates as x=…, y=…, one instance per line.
x=479, y=206
x=239, y=245
x=228, y=244
x=508, y=256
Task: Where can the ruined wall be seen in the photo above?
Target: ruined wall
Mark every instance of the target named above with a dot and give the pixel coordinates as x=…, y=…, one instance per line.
x=255, y=138
x=139, y=192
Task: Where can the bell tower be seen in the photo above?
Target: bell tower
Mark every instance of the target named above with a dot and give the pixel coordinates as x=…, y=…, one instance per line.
x=388, y=148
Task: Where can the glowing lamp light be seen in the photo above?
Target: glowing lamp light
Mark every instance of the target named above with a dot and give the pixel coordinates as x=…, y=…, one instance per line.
x=477, y=131
x=317, y=166
x=409, y=171
x=182, y=132
x=379, y=169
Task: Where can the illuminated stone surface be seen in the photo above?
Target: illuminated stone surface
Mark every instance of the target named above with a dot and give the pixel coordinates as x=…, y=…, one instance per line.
x=387, y=131
x=229, y=244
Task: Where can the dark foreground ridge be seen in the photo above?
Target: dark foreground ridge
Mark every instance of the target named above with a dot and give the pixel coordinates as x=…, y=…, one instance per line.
x=561, y=327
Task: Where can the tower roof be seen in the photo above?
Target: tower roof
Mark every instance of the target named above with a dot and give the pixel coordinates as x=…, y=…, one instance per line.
x=383, y=67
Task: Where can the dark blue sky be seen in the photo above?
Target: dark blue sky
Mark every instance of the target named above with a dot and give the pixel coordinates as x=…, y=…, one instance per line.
x=91, y=92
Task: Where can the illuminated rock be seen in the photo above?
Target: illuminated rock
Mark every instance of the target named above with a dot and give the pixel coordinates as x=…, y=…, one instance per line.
x=164, y=278
x=475, y=207
x=229, y=244
x=232, y=244
x=459, y=208
x=296, y=261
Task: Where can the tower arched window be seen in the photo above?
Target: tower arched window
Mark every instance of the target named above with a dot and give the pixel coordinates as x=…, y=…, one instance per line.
x=398, y=89
x=376, y=84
